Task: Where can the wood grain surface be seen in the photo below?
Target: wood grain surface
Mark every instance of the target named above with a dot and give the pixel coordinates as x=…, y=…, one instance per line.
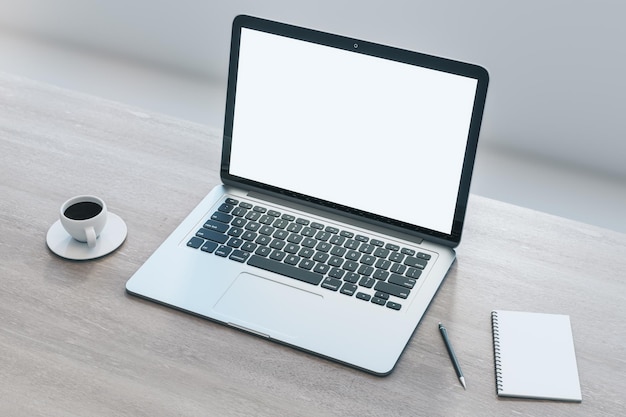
x=73, y=343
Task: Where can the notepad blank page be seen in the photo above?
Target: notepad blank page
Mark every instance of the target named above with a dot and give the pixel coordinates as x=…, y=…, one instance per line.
x=537, y=356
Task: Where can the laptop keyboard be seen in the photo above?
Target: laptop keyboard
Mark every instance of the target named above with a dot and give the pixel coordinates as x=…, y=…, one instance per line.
x=355, y=265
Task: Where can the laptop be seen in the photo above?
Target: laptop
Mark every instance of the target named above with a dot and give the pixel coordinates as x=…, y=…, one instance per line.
x=345, y=171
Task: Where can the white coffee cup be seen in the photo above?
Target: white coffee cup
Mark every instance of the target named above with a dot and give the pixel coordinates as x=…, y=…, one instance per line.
x=84, y=217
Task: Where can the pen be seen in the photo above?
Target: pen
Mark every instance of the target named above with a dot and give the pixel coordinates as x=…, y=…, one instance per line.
x=455, y=362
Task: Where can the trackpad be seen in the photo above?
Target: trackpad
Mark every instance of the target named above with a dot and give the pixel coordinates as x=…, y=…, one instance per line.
x=266, y=307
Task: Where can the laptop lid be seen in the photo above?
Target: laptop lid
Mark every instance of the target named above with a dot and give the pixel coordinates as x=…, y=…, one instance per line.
x=377, y=133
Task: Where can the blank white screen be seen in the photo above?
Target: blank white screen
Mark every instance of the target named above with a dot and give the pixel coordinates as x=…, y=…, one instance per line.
x=377, y=135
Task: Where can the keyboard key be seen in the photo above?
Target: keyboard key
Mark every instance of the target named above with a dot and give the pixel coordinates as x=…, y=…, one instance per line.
x=338, y=251
x=392, y=289
x=225, y=208
x=249, y=236
x=235, y=231
x=423, y=255
x=222, y=217
x=253, y=216
x=381, y=252
x=263, y=240
x=239, y=222
x=249, y=247
x=351, y=244
x=380, y=274
x=353, y=255
x=278, y=255
x=321, y=268
x=317, y=226
x=367, y=259
x=306, y=253
x=307, y=232
x=235, y=242
x=348, y=289
x=308, y=265
x=323, y=236
x=209, y=246
x=379, y=301
x=335, y=261
x=393, y=306
x=332, y=284
x=402, y=281
x=351, y=277
x=309, y=242
x=294, y=238
x=363, y=296
x=323, y=246
x=291, y=248
x=367, y=282
x=383, y=264
x=278, y=244
x=396, y=257
x=232, y=201
x=195, y=242
x=266, y=230
x=397, y=269
x=223, y=251
x=413, y=273
x=287, y=270
x=382, y=295
x=211, y=235
x=263, y=251
x=294, y=228
x=216, y=226
x=266, y=219
x=350, y=266
x=239, y=256
x=292, y=260
x=280, y=223
x=321, y=257
x=366, y=248
x=415, y=262
x=336, y=273
x=239, y=212
x=252, y=226
x=365, y=270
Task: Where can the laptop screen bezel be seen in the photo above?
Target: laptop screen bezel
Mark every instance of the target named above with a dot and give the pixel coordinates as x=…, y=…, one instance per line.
x=364, y=47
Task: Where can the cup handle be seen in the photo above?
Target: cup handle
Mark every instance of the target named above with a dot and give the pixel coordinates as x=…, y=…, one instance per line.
x=91, y=236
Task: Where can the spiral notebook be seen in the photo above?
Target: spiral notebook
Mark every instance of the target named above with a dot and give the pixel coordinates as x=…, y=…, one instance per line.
x=534, y=356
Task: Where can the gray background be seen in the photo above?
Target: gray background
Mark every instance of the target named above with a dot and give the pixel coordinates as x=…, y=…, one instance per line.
x=554, y=131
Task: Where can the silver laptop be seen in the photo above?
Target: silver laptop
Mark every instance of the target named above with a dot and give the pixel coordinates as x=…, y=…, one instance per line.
x=346, y=169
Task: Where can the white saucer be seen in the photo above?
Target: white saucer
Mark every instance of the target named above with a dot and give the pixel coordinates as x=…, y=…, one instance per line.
x=111, y=237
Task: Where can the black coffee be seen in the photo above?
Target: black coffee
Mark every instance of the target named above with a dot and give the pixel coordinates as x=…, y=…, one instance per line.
x=83, y=210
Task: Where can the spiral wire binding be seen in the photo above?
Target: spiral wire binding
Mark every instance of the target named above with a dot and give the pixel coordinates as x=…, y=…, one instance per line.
x=496, y=350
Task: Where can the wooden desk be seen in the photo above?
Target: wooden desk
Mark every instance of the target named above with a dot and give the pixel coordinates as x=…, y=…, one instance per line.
x=73, y=343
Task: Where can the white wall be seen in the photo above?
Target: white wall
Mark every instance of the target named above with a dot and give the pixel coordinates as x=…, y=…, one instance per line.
x=557, y=67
